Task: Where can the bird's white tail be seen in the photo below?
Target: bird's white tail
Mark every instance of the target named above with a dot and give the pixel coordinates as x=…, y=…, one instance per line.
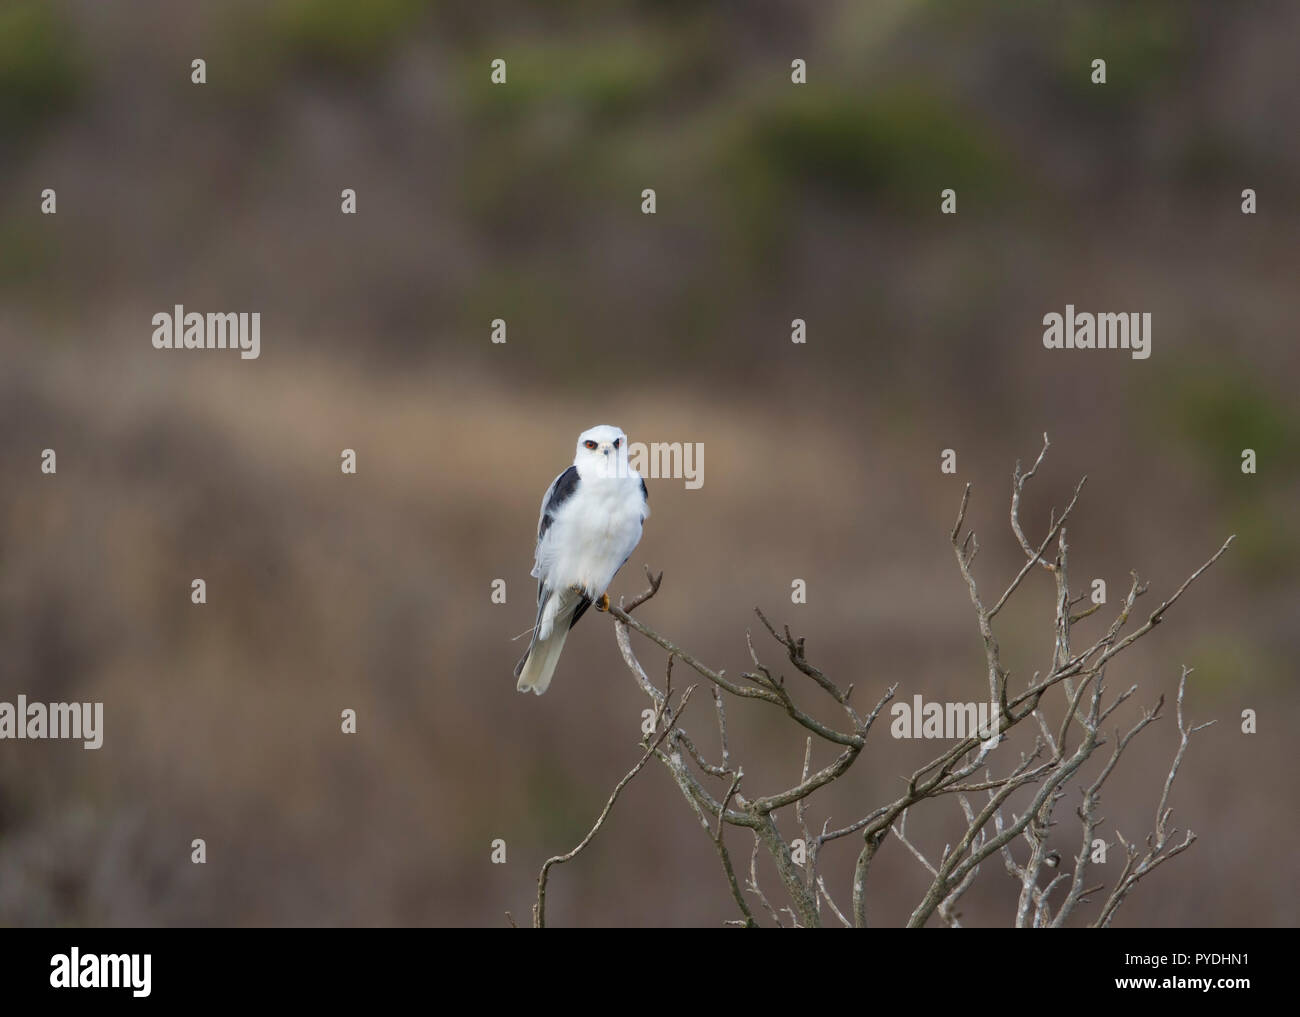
x=535, y=676
x=554, y=616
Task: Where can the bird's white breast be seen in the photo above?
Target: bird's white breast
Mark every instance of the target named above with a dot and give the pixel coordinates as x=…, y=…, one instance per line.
x=593, y=533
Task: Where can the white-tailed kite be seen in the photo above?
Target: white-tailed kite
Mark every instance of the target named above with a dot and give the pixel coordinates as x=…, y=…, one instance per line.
x=590, y=521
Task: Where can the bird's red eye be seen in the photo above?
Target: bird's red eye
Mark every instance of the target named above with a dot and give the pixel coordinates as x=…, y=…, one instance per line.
x=618, y=442
x=590, y=444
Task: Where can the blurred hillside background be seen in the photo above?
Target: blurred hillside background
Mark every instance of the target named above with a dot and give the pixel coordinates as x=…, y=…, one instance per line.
x=522, y=202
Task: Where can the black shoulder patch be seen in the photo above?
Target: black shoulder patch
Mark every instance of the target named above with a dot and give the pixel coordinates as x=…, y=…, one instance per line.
x=565, y=484
x=644, y=493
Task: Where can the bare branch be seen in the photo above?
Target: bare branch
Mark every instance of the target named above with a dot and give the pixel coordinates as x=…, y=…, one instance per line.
x=539, y=910
x=970, y=765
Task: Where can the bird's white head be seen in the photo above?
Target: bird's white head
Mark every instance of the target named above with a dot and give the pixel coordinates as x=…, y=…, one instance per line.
x=602, y=452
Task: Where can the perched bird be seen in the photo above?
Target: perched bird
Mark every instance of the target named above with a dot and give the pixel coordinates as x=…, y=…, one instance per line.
x=590, y=521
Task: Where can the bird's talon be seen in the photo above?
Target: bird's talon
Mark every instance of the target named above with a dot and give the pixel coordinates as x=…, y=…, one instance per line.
x=603, y=603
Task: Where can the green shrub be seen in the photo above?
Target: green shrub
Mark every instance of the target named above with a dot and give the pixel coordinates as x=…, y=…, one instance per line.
x=40, y=73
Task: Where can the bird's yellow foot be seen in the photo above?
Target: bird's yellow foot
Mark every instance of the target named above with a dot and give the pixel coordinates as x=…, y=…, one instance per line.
x=603, y=603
